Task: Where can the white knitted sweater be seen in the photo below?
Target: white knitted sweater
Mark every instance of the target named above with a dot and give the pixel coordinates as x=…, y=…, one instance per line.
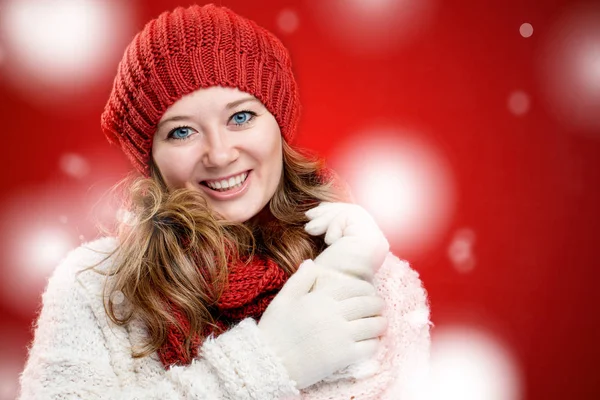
x=77, y=353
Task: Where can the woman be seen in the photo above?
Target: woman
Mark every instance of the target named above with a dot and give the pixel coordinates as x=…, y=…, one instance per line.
x=192, y=299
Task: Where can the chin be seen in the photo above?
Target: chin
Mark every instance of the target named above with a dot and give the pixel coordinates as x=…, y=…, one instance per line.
x=236, y=216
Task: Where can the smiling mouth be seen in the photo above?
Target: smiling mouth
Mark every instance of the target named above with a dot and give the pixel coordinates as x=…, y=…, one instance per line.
x=224, y=185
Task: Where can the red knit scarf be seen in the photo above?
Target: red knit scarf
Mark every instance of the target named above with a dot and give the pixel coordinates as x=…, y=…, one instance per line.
x=251, y=288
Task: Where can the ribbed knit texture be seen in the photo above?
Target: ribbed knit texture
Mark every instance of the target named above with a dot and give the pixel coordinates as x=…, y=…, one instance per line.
x=188, y=49
x=250, y=289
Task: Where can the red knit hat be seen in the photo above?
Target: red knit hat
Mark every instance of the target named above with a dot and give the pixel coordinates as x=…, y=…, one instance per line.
x=188, y=49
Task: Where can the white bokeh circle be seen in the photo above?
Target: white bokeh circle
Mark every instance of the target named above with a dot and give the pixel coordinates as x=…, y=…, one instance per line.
x=526, y=30
x=569, y=68
x=469, y=363
x=35, y=236
x=74, y=165
x=288, y=21
x=519, y=103
x=461, y=250
x=403, y=181
x=373, y=26
x=44, y=249
x=55, y=48
x=117, y=297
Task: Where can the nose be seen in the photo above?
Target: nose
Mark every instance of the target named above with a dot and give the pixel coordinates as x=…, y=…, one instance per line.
x=219, y=152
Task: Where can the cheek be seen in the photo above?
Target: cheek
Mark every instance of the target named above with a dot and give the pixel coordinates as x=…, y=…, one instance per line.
x=275, y=178
x=274, y=161
x=174, y=166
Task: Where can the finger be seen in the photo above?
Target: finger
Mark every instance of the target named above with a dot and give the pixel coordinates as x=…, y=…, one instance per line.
x=301, y=282
x=361, y=307
x=366, y=349
x=336, y=228
x=349, y=255
x=350, y=270
x=326, y=207
x=367, y=328
x=318, y=210
x=319, y=225
x=341, y=287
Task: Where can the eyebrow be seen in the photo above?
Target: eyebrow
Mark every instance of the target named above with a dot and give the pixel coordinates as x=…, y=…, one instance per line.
x=240, y=101
x=175, y=118
x=228, y=106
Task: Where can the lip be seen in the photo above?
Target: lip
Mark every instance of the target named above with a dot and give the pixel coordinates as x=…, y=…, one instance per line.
x=229, y=195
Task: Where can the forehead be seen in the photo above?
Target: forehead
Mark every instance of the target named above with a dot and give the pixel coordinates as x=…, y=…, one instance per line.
x=214, y=98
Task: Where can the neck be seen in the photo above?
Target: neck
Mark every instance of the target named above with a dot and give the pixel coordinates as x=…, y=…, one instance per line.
x=264, y=216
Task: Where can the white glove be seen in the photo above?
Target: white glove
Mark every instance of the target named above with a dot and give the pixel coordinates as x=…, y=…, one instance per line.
x=316, y=333
x=356, y=244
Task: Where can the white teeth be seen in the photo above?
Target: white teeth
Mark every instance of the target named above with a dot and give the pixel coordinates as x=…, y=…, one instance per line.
x=231, y=183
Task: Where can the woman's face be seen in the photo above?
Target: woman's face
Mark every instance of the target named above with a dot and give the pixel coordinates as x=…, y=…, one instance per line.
x=224, y=143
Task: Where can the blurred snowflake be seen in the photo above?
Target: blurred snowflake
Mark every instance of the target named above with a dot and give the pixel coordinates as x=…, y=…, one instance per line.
x=403, y=181
x=461, y=252
x=61, y=46
x=471, y=364
x=526, y=30
x=287, y=20
x=519, y=103
x=373, y=26
x=569, y=68
x=74, y=165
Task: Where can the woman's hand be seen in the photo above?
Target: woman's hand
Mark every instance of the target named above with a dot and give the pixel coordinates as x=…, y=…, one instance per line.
x=318, y=332
x=356, y=244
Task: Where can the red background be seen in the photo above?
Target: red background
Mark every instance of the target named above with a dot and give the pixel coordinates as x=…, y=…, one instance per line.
x=527, y=186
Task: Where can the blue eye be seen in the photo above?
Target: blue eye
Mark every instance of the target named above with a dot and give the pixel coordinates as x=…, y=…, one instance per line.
x=242, y=117
x=183, y=132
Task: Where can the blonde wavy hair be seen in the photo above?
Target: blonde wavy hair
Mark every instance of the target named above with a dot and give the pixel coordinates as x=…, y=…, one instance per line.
x=174, y=247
